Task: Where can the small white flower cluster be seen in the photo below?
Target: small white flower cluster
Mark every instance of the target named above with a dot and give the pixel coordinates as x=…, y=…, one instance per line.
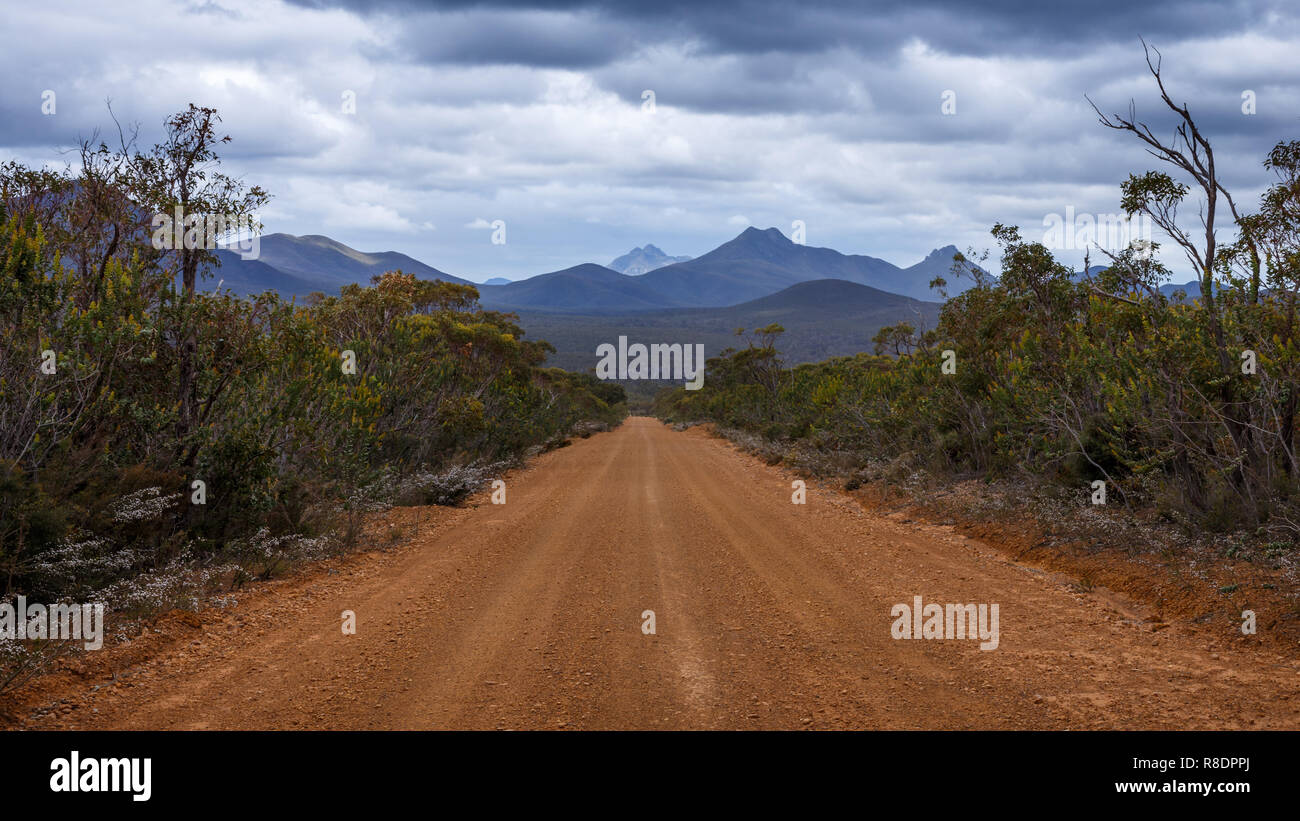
x=291, y=547
x=456, y=482
x=143, y=505
x=79, y=562
x=374, y=497
x=179, y=585
x=20, y=659
x=11, y=651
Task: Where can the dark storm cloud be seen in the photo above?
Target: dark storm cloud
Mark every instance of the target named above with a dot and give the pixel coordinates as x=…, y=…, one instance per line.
x=954, y=26
x=767, y=53
x=530, y=38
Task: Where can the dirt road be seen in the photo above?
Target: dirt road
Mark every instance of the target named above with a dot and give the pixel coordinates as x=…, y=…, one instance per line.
x=768, y=614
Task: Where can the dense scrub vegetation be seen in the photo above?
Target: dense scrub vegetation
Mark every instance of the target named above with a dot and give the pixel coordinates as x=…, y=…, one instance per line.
x=123, y=383
x=1188, y=407
x=1056, y=378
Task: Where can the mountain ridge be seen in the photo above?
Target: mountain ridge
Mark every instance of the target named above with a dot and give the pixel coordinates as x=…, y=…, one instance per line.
x=299, y=265
x=586, y=286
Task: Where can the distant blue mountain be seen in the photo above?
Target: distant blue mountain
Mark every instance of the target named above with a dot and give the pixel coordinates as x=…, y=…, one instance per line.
x=643, y=260
x=297, y=266
x=1191, y=290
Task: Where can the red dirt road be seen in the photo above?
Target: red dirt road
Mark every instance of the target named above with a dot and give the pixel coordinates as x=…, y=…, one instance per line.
x=768, y=615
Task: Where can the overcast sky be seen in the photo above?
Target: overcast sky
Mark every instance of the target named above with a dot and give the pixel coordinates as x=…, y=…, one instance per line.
x=764, y=113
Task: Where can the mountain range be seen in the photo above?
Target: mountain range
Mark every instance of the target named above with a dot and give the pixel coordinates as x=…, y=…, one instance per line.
x=759, y=262
x=831, y=304
x=753, y=264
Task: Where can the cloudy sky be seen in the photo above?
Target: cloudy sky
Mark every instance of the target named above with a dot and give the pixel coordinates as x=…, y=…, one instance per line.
x=540, y=114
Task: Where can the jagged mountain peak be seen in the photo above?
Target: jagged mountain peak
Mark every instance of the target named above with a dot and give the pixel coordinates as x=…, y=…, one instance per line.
x=643, y=260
